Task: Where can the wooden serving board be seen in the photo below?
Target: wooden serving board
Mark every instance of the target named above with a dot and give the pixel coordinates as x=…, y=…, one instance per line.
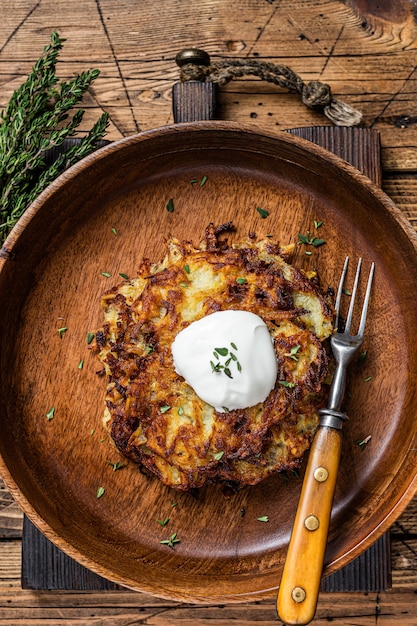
x=44, y=566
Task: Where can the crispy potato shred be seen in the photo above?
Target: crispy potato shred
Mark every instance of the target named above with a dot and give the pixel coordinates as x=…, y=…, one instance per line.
x=156, y=419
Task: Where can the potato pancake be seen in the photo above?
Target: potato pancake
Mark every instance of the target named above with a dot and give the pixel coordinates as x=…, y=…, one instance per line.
x=155, y=417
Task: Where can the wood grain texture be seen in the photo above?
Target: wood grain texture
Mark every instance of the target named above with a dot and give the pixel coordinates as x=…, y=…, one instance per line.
x=300, y=581
x=367, y=56
x=286, y=176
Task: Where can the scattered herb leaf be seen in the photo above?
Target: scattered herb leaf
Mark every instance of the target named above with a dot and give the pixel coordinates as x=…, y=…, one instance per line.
x=218, y=455
x=51, y=413
x=81, y=364
x=241, y=281
x=62, y=330
x=92, y=431
x=163, y=522
x=363, y=356
x=234, y=346
x=100, y=492
x=116, y=466
x=308, y=240
x=318, y=223
x=106, y=274
x=285, y=383
x=293, y=353
x=171, y=541
x=367, y=379
x=90, y=338
x=262, y=212
x=114, y=231
x=203, y=181
x=363, y=442
x=222, y=351
x=264, y=518
x=187, y=269
x=170, y=205
x=180, y=410
x=125, y=276
x=165, y=408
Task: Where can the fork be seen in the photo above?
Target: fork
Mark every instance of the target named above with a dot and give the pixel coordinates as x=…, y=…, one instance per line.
x=301, y=576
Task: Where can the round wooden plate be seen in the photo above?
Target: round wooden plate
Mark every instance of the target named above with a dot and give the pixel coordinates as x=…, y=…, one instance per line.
x=100, y=218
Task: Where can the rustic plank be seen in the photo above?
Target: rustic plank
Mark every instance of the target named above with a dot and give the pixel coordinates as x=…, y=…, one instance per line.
x=11, y=516
x=27, y=608
x=369, y=61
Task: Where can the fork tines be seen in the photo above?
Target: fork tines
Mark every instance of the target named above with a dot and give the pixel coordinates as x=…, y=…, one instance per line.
x=353, y=296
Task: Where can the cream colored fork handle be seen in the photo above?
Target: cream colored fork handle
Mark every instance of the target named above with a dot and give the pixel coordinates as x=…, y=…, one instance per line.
x=300, y=582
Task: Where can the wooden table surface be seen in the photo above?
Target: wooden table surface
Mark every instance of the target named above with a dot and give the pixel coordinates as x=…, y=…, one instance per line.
x=367, y=52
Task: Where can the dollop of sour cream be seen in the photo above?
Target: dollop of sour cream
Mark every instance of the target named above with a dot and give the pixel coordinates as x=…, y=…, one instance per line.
x=228, y=359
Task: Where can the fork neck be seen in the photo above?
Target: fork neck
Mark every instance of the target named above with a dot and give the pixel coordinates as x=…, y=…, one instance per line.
x=331, y=418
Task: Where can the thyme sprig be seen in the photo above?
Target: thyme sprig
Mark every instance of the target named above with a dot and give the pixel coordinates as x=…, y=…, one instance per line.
x=35, y=120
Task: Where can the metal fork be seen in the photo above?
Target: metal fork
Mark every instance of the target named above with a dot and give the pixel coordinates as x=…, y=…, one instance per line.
x=300, y=582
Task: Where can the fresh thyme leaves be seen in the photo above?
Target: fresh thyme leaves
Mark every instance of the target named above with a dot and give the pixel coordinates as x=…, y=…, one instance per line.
x=164, y=408
x=125, y=276
x=187, y=269
x=310, y=240
x=114, y=231
x=218, y=366
x=218, y=455
x=202, y=181
x=116, y=466
x=51, y=413
x=61, y=331
x=241, y=281
x=81, y=364
x=293, y=353
x=264, y=518
x=170, y=206
x=285, y=383
x=90, y=337
x=163, y=522
x=363, y=442
x=222, y=351
x=318, y=223
x=106, y=274
x=34, y=121
x=100, y=492
x=363, y=356
x=262, y=212
x=171, y=541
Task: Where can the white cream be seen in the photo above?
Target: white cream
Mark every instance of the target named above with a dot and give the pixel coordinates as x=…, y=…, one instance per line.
x=253, y=367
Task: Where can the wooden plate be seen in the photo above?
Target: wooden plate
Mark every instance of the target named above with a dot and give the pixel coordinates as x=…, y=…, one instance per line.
x=103, y=216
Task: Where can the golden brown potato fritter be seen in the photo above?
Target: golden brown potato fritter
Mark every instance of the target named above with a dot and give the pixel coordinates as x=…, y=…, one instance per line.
x=155, y=418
